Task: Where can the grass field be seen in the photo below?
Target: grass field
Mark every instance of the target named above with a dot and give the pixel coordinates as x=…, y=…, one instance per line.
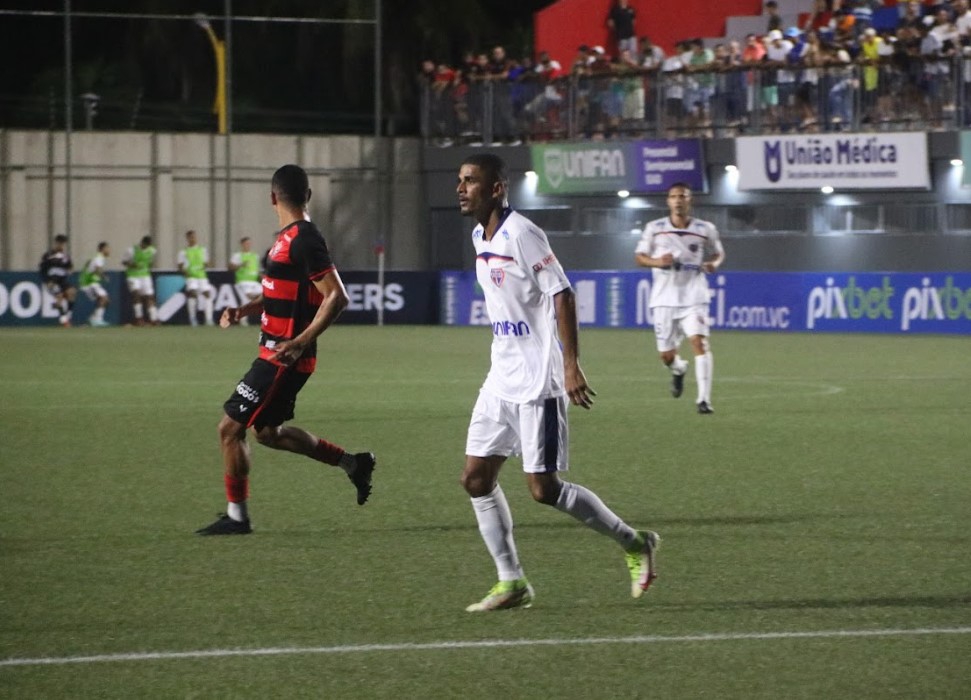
x=816, y=528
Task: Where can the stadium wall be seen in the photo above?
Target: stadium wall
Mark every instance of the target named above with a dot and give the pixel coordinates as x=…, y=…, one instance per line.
x=126, y=185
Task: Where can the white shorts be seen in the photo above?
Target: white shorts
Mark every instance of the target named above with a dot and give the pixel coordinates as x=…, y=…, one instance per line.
x=94, y=291
x=672, y=324
x=248, y=290
x=198, y=284
x=141, y=285
x=537, y=430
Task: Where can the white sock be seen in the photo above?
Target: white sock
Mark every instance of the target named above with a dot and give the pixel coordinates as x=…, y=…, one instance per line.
x=138, y=311
x=704, y=366
x=99, y=314
x=679, y=366
x=207, y=304
x=237, y=511
x=586, y=506
x=192, y=305
x=495, y=525
x=152, y=313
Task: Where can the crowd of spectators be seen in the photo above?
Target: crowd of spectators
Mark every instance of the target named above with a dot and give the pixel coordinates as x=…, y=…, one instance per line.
x=834, y=69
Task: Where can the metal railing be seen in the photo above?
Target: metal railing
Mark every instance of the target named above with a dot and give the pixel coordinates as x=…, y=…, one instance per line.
x=895, y=94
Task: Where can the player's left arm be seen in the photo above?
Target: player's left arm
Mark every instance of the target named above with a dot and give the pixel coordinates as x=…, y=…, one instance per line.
x=335, y=300
x=232, y=314
x=568, y=328
x=717, y=256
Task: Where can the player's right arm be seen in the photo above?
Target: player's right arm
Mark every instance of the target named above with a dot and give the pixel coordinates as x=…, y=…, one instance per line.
x=643, y=254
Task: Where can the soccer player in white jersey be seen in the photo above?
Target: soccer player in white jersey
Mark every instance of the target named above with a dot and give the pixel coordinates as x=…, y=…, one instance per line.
x=522, y=405
x=680, y=250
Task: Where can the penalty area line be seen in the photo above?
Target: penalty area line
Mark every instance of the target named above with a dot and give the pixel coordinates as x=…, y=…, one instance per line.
x=483, y=644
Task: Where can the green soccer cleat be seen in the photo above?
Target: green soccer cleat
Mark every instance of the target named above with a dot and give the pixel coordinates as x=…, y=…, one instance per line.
x=642, y=563
x=505, y=595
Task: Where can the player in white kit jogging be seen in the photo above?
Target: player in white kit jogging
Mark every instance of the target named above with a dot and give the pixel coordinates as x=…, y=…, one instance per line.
x=535, y=370
x=680, y=250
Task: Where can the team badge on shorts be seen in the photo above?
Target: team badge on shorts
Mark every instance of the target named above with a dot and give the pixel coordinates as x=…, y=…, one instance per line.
x=498, y=275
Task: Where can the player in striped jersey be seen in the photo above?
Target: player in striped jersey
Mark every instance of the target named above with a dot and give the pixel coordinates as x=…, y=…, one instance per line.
x=535, y=372
x=55, y=269
x=302, y=296
x=679, y=250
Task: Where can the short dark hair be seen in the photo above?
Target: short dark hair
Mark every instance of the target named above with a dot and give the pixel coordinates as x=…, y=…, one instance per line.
x=290, y=183
x=244, y=239
x=682, y=184
x=491, y=165
x=60, y=238
x=146, y=240
x=102, y=245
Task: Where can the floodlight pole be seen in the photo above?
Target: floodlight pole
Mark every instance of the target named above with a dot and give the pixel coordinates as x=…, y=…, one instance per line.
x=219, y=52
x=68, y=120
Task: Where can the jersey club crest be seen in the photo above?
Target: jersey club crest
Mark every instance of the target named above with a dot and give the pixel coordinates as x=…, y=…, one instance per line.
x=498, y=275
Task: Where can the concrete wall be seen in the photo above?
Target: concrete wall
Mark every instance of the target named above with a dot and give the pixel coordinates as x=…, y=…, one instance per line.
x=125, y=185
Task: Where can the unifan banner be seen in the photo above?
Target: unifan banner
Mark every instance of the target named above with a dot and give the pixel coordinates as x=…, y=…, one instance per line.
x=871, y=161
x=640, y=167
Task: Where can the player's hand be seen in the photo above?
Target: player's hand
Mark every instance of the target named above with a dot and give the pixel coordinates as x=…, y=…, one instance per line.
x=667, y=260
x=288, y=351
x=230, y=317
x=577, y=389
x=708, y=267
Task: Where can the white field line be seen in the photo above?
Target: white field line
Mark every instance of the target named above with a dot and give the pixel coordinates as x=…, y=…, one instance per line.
x=484, y=644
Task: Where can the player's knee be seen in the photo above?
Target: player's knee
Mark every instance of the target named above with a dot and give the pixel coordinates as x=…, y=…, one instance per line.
x=229, y=430
x=268, y=436
x=543, y=489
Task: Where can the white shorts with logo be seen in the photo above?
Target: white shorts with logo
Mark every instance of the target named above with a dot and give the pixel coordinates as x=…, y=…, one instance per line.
x=672, y=324
x=248, y=290
x=537, y=430
x=198, y=284
x=141, y=285
x=94, y=291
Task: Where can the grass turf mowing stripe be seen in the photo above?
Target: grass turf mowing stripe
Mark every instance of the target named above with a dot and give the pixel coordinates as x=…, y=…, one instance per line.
x=483, y=644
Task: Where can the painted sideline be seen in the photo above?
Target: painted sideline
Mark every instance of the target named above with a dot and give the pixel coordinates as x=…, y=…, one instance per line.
x=484, y=644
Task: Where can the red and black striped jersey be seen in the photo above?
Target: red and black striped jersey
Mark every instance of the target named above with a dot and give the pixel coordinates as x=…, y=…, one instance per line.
x=290, y=300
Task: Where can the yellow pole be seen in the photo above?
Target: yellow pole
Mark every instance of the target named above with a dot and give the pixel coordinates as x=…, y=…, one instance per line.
x=219, y=104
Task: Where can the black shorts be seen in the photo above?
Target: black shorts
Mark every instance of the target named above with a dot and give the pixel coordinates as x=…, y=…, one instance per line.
x=266, y=396
x=57, y=285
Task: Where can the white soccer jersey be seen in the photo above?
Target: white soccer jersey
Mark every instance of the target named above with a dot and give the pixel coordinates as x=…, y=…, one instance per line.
x=519, y=275
x=684, y=284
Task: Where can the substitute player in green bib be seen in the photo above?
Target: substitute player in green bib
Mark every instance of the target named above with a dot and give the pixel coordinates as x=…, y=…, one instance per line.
x=91, y=281
x=138, y=261
x=246, y=264
x=193, y=261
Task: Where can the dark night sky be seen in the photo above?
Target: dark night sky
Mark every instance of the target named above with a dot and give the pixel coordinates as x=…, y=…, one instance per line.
x=151, y=72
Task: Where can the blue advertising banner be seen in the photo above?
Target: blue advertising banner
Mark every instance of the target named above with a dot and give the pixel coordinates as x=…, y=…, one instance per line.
x=25, y=301
x=408, y=297
x=865, y=302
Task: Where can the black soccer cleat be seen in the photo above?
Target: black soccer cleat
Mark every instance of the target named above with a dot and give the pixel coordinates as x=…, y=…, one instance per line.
x=226, y=526
x=361, y=476
x=705, y=407
x=677, y=385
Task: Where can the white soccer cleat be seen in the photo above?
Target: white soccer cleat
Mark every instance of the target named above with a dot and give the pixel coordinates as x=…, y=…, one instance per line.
x=642, y=563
